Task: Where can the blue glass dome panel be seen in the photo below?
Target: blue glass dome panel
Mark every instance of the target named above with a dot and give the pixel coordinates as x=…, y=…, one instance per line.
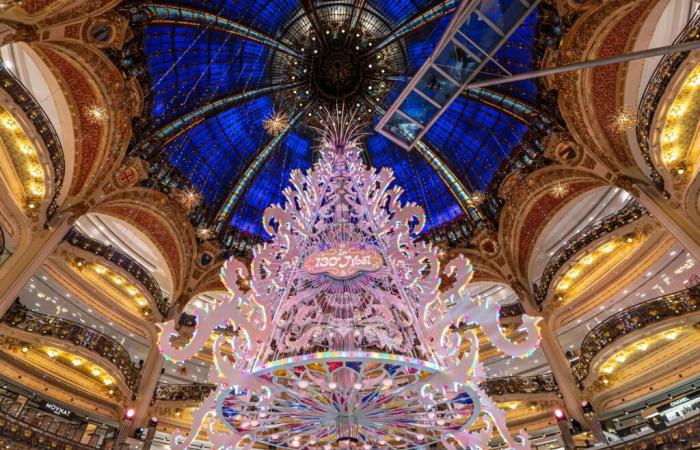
x=267, y=16
x=422, y=185
x=293, y=153
x=517, y=56
x=396, y=12
x=189, y=67
x=475, y=139
x=214, y=153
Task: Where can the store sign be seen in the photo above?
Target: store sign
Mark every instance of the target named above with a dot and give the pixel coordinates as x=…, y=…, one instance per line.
x=679, y=401
x=58, y=410
x=343, y=262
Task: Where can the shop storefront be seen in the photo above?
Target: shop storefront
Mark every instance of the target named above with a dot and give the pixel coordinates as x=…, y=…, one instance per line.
x=26, y=409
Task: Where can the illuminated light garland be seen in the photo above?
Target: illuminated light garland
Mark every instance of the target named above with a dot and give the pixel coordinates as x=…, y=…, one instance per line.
x=279, y=390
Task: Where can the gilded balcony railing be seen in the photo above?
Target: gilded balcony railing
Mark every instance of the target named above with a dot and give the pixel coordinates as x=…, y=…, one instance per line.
x=22, y=318
x=631, y=212
x=655, y=90
x=183, y=392
x=126, y=262
x=536, y=384
x=512, y=310
x=21, y=96
x=630, y=320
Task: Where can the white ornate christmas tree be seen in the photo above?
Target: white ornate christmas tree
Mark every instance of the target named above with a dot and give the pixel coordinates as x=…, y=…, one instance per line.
x=342, y=337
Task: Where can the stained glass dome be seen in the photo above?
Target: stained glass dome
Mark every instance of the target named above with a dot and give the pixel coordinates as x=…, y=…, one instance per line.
x=215, y=71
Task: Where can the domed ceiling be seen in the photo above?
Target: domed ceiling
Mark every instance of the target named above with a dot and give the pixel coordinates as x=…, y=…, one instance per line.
x=233, y=85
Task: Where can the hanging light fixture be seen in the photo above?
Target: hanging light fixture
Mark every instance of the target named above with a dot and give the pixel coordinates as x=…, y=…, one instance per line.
x=342, y=339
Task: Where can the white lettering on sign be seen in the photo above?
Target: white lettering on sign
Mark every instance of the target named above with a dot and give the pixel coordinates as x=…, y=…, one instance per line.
x=343, y=262
x=678, y=402
x=57, y=409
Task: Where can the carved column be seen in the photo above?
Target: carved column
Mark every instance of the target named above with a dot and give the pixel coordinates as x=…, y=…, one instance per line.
x=24, y=263
x=558, y=362
x=150, y=374
x=672, y=218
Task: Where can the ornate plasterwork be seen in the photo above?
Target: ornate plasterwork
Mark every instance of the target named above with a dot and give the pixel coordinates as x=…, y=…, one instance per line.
x=589, y=99
x=89, y=135
x=110, y=93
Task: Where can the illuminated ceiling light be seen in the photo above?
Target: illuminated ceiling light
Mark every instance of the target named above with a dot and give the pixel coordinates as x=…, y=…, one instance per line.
x=35, y=170
x=189, y=198
x=608, y=369
x=100, y=269
x=671, y=335
x=142, y=302
x=607, y=248
x=626, y=118
x=620, y=358
x=96, y=113
x=108, y=382
x=694, y=80
x=559, y=190
x=25, y=348
x=36, y=189
x=25, y=148
x=643, y=346
x=678, y=110
x=588, y=260
x=8, y=122
x=51, y=353
x=95, y=372
x=76, y=362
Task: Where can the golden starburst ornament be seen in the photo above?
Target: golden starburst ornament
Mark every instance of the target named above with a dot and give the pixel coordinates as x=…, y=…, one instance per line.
x=478, y=197
x=276, y=124
x=204, y=233
x=189, y=198
x=96, y=113
x=626, y=119
x=559, y=190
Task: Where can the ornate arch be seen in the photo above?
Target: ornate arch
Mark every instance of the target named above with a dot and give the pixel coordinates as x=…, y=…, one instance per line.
x=92, y=87
x=530, y=202
x=163, y=221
